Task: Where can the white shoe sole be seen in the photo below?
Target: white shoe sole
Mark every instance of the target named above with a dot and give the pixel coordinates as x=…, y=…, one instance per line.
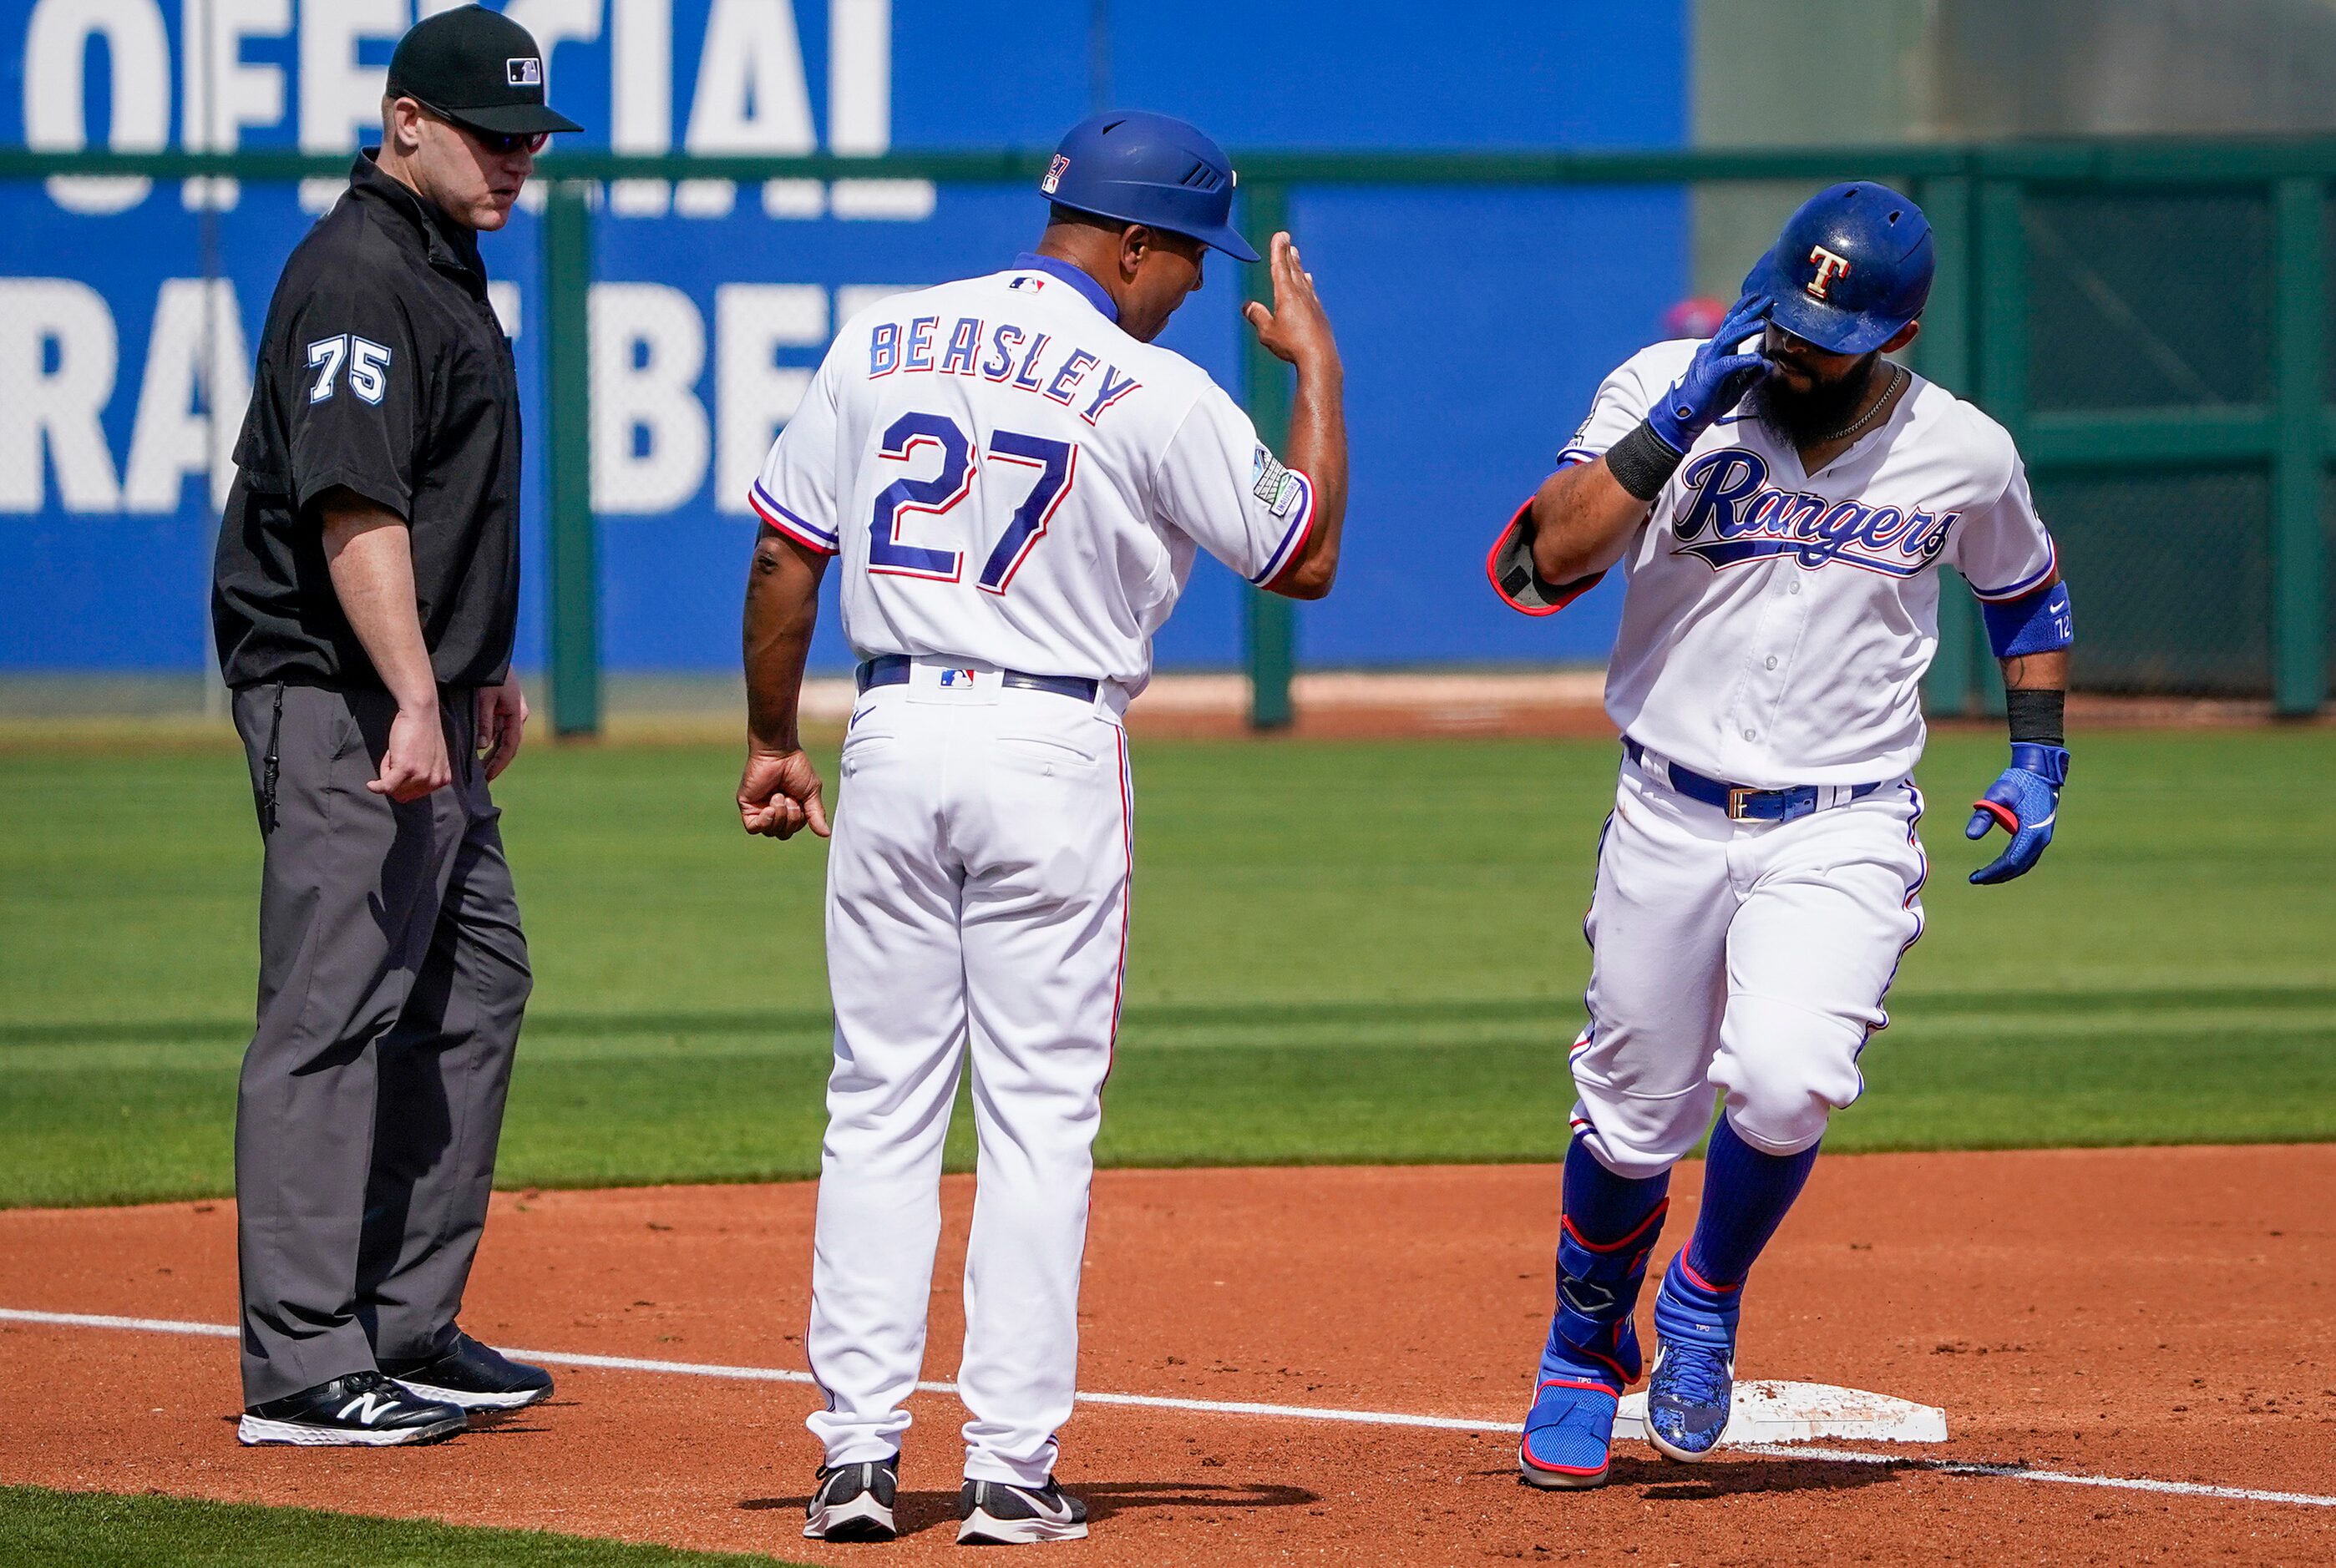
x=862, y=1518
x=1559, y=1480
x=253, y=1431
x=982, y=1528
x=469, y=1401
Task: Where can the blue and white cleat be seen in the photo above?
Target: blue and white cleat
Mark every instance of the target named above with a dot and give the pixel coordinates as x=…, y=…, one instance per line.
x=1569, y=1434
x=1693, y=1385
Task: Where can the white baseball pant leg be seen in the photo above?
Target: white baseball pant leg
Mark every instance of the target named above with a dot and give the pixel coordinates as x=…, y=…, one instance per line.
x=978, y=896
x=1742, y=961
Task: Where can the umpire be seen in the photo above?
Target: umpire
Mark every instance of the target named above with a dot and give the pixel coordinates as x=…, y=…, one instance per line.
x=363, y=598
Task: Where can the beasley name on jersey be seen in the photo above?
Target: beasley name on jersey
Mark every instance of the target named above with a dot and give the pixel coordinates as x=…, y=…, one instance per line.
x=1776, y=624
x=1011, y=480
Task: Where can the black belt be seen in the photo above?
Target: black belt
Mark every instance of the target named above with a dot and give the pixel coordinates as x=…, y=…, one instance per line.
x=893, y=670
x=1742, y=802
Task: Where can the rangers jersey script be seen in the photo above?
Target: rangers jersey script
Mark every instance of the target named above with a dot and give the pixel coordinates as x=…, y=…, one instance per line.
x=1778, y=624
x=1010, y=479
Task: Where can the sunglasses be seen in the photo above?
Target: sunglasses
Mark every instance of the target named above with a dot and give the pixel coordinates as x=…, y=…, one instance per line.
x=500, y=142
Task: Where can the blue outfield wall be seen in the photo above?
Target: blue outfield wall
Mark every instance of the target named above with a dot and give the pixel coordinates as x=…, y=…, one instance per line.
x=1475, y=324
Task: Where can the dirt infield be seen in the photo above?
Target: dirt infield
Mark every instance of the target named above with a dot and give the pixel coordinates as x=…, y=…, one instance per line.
x=2153, y=1314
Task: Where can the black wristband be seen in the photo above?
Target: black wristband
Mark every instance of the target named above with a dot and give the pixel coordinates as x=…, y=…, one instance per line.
x=1642, y=462
x=2037, y=717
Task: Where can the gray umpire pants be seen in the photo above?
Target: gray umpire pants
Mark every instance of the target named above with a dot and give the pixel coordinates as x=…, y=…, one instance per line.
x=392, y=978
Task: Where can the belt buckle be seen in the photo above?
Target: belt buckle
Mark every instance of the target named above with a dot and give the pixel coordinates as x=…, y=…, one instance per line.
x=1738, y=797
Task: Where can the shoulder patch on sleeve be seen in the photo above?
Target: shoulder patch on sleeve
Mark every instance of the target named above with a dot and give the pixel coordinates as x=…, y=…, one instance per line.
x=1272, y=483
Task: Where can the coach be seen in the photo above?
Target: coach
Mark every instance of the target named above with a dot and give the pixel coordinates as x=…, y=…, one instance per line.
x=363, y=598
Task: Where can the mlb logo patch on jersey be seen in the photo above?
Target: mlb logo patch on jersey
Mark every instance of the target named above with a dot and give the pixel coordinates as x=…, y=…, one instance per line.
x=1055, y=172
x=1272, y=483
x=524, y=72
x=1026, y=281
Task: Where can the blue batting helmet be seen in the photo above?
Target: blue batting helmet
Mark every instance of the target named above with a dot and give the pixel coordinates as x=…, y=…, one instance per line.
x=1852, y=265
x=1148, y=169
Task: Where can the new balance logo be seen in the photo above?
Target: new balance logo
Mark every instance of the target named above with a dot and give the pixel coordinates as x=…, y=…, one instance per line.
x=367, y=1409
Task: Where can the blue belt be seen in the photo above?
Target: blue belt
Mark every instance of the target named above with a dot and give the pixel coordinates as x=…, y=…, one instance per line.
x=893, y=670
x=1742, y=802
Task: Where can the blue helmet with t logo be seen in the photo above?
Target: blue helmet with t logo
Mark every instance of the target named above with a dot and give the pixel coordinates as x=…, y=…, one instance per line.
x=1852, y=265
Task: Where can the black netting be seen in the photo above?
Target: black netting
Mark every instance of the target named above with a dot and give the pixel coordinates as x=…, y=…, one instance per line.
x=2171, y=575
x=2148, y=300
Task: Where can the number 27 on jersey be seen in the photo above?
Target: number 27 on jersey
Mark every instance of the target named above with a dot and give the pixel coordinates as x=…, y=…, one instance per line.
x=1054, y=464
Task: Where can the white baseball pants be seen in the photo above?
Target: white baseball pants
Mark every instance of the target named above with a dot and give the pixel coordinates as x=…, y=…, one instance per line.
x=1741, y=961
x=977, y=913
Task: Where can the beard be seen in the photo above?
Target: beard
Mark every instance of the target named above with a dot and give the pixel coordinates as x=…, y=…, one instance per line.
x=1806, y=417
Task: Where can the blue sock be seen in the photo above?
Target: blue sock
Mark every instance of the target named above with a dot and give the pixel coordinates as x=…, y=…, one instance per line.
x=1745, y=1194
x=1603, y=1206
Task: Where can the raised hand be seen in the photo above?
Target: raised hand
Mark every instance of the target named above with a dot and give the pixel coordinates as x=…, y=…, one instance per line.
x=1297, y=329
x=1714, y=381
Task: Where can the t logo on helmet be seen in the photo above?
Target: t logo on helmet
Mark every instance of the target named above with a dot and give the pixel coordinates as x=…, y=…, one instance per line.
x=1829, y=266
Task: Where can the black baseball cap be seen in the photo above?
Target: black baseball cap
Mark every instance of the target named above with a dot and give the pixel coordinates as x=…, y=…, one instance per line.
x=478, y=68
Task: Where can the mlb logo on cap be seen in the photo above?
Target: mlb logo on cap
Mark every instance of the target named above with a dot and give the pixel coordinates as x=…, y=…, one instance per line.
x=1054, y=174
x=525, y=71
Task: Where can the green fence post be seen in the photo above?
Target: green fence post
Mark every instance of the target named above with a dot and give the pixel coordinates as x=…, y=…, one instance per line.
x=1943, y=355
x=1269, y=626
x=1999, y=350
x=2299, y=583
x=575, y=565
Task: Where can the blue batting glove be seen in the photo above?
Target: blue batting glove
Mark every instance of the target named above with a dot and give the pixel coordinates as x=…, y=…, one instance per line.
x=1716, y=380
x=2023, y=802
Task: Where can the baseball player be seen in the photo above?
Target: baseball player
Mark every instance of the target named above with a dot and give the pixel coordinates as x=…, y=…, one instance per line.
x=1778, y=498
x=1015, y=480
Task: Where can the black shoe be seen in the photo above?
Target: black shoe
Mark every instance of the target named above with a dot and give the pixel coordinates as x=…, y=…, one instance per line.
x=472, y=1375
x=996, y=1513
x=364, y=1409
x=853, y=1502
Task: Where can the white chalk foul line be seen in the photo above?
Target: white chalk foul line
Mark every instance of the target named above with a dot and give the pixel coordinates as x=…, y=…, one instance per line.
x=2051, y=1478
x=1284, y=1412
x=782, y=1375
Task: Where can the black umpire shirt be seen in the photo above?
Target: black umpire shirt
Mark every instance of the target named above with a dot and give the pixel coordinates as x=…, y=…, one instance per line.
x=382, y=371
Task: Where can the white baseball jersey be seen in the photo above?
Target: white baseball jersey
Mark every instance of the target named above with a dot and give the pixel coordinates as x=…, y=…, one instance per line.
x=1777, y=624
x=1012, y=480
x=1014, y=484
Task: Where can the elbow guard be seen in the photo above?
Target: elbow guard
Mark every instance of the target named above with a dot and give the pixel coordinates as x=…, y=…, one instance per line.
x=1520, y=584
x=2037, y=623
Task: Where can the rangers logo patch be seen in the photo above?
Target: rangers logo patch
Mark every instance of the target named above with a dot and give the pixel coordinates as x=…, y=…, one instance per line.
x=1829, y=266
x=1055, y=172
x=1272, y=483
x=525, y=71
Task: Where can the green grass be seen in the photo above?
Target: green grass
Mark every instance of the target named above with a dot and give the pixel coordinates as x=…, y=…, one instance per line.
x=99, y=1529
x=1342, y=952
